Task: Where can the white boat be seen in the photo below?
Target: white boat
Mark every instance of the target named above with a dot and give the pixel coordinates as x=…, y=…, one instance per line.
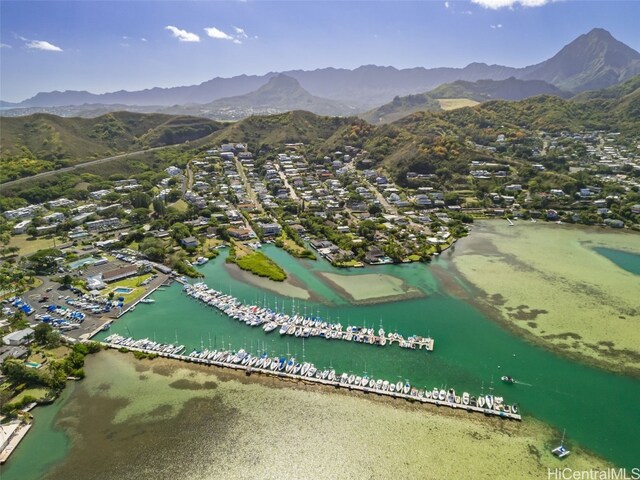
x=442, y=395
x=407, y=388
x=270, y=327
x=465, y=398
x=481, y=401
x=147, y=300
x=399, y=387
x=489, y=401
x=560, y=451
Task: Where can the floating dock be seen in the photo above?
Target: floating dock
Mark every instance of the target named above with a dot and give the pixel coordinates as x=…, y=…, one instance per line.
x=298, y=325
x=236, y=361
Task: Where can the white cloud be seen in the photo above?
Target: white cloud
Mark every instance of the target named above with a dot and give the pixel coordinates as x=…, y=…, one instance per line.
x=143, y=39
x=446, y=4
x=466, y=12
x=240, y=32
x=182, y=35
x=4, y=45
x=43, y=45
x=213, y=32
x=236, y=38
x=497, y=25
x=497, y=4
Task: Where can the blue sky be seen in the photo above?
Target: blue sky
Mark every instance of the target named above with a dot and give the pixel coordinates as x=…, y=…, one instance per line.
x=108, y=46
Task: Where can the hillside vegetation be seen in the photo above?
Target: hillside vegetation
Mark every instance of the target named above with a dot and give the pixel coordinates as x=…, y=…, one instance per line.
x=41, y=142
x=439, y=143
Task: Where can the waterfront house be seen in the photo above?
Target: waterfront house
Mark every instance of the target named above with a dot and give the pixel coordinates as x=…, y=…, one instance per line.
x=189, y=242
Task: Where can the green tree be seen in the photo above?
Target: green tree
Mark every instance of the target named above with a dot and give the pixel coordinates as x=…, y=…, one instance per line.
x=139, y=200
x=139, y=216
x=159, y=207
x=44, y=261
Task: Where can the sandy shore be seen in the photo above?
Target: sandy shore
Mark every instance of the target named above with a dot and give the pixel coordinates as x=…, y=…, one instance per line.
x=547, y=281
x=290, y=287
x=158, y=419
x=370, y=287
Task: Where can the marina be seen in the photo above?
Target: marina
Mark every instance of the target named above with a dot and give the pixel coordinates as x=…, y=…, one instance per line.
x=288, y=368
x=300, y=325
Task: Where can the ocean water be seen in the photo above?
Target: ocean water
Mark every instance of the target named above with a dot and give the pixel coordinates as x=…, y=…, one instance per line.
x=598, y=409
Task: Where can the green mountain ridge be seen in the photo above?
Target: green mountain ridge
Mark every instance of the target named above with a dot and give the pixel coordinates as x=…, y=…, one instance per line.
x=425, y=142
x=43, y=142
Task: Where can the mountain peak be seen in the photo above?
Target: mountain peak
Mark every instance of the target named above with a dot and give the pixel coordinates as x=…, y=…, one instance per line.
x=601, y=34
x=591, y=61
x=282, y=81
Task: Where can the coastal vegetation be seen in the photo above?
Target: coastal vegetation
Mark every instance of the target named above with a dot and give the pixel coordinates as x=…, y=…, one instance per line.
x=57, y=363
x=255, y=262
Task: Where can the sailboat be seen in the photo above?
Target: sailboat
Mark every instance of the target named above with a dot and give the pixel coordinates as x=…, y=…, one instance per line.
x=561, y=451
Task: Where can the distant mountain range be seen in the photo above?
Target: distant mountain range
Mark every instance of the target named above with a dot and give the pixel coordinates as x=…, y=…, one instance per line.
x=425, y=142
x=593, y=60
x=280, y=94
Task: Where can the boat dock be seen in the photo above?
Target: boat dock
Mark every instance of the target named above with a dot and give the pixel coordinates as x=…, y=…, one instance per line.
x=11, y=435
x=299, y=325
x=287, y=369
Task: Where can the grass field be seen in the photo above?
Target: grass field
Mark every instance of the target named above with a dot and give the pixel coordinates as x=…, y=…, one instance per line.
x=453, y=103
x=180, y=205
x=28, y=245
x=37, y=393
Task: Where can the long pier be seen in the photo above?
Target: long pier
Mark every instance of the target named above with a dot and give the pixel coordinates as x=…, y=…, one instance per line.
x=503, y=411
x=299, y=325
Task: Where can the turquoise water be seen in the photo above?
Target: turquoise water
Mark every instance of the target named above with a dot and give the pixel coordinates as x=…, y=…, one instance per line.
x=625, y=260
x=43, y=446
x=599, y=410
x=123, y=290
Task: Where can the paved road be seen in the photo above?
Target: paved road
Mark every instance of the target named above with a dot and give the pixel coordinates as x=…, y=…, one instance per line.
x=80, y=165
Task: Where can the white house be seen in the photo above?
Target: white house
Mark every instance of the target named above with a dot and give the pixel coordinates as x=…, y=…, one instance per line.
x=20, y=337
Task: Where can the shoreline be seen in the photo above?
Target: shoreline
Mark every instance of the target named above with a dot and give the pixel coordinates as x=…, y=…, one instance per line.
x=481, y=302
x=490, y=304
x=529, y=442
x=292, y=283
x=413, y=293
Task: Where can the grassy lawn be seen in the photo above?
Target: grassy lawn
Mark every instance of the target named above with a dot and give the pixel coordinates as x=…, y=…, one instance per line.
x=28, y=245
x=37, y=393
x=349, y=263
x=57, y=353
x=453, y=103
x=37, y=357
x=134, y=283
x=180, y=205
x=294, y=249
